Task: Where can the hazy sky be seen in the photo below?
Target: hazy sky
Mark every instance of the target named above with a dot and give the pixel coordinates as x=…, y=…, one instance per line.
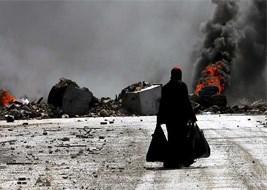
x=102, y=45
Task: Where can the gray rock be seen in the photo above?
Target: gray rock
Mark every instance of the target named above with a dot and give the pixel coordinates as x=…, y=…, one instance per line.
x=76, y=101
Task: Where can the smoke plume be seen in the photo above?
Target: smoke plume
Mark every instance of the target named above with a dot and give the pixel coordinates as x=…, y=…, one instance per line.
x=236, y=35
x=249, y=76
x=219, y=44
x=103, y=45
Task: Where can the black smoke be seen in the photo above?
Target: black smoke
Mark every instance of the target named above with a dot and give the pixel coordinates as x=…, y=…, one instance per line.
x=249, y=70
x=237, y=35
x=220, y=39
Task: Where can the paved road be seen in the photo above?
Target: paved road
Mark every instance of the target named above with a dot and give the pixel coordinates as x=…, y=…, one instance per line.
x=109, y=153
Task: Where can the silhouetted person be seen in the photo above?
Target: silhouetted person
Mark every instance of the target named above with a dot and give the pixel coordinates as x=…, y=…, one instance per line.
x=176, y=111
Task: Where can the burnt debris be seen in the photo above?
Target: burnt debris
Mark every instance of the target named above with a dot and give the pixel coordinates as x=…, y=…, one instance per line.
x=28, y=111
x=218, y=105
x=66, y=99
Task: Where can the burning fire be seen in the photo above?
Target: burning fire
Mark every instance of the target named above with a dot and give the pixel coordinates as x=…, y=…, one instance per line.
x=212, y=76
x=6, y=98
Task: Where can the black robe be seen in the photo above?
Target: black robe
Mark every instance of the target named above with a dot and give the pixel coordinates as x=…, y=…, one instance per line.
x=175, y=111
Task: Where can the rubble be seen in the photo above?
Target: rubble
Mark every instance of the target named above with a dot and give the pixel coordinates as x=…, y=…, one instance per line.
x=104, y=107
x=107, y=107
x=208, y=101
x=29, y=111
x=254, y=108
x=21, y=109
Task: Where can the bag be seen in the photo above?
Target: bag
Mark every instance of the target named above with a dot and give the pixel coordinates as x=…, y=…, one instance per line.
x=158, y=146
x=198, y=142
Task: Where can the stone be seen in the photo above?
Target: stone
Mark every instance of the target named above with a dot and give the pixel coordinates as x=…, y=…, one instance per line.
x=76, y=101
x=70, y=98
x=65, y=139
x=9, y=118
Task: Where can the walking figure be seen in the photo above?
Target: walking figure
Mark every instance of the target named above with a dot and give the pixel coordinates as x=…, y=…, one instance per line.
x=176, y=111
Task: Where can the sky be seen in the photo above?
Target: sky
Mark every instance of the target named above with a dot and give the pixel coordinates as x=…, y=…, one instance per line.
x=102, y=45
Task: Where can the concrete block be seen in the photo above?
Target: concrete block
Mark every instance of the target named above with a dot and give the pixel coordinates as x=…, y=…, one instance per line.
x=143, y=102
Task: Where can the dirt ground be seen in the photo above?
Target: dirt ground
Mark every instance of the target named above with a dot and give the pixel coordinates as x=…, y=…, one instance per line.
x=109, y=153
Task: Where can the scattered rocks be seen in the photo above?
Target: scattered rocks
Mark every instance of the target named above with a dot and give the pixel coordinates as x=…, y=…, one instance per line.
x=107, y=107
x=63, y=103
x=254, y=108
x=22, y=178
x=22, y=181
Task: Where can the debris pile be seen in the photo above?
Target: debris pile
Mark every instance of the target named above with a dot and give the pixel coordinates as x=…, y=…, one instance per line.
x=209, y=101
x=107, y=107
x=67, y=99
x=12, y=108
x=18, y=110
x=255, y=108
x=104, y=107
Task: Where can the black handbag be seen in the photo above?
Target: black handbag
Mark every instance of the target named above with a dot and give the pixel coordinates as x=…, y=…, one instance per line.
x=158, y=146
x=199, y=146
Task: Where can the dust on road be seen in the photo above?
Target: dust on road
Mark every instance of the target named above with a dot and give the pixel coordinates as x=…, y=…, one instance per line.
x=109, y=153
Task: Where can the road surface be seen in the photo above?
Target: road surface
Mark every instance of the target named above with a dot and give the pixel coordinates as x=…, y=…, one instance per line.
x=109, y=153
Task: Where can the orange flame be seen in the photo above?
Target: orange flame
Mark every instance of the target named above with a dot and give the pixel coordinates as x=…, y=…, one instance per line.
x=6, y=98
x=212, y=76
